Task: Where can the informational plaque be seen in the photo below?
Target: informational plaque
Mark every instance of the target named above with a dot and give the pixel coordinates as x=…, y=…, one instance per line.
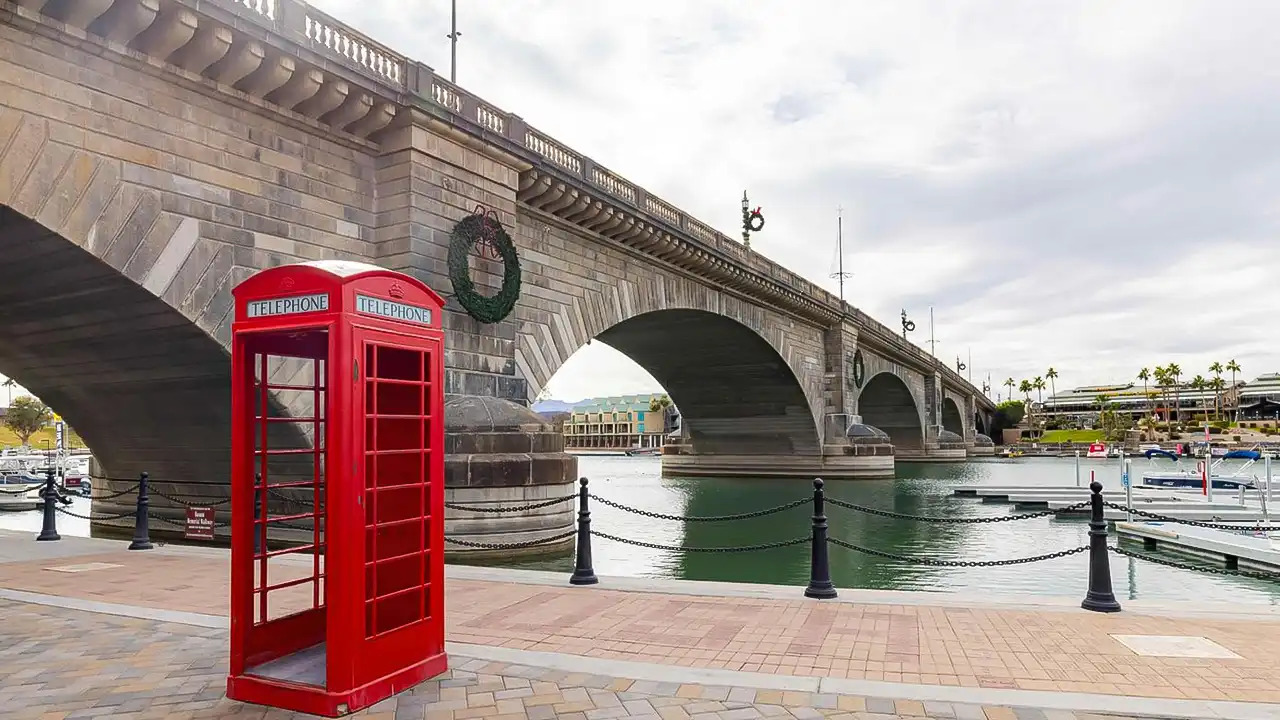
x=199, y=523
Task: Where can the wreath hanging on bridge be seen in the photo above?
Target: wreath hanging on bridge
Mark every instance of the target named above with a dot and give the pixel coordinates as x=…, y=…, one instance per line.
x=859, y=369
x=483, y=232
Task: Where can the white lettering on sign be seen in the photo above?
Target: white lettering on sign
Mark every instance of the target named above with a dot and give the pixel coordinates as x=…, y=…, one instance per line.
x=288, y=305
x=392, y=309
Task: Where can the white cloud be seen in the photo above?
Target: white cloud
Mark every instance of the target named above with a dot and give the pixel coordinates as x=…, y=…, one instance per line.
x=1086, y=185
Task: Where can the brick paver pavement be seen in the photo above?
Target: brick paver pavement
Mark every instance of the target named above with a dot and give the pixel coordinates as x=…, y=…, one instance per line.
x=61, y=664
x=1071, y=651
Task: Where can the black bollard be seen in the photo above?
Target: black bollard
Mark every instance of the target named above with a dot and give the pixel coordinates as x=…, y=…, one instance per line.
x=49, y=530
x=819, y=568
x=583, y=573
x=141, y=520
x=1100, y=598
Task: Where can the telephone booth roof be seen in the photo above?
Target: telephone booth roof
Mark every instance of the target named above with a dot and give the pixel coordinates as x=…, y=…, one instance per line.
x=320, y=287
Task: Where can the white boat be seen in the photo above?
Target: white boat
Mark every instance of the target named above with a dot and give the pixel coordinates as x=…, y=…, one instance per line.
x=1098, y=451
x=1181, y=476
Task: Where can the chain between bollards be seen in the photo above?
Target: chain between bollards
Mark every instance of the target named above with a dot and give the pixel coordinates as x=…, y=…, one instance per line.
x=1099, y=598
x=820, y=585
x=583, y=573
x=141, y=521
x=49, y=529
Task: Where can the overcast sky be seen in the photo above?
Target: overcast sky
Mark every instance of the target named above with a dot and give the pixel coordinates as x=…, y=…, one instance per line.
x=1087, y=185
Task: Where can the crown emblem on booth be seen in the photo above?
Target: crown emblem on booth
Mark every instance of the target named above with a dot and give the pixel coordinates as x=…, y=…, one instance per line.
x=396, y=291
x=286, y=284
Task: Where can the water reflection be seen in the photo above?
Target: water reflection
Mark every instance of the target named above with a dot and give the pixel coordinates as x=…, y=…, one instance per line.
x=920, y=489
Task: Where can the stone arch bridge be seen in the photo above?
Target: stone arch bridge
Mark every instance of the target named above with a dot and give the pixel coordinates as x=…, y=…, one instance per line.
x=154, y=153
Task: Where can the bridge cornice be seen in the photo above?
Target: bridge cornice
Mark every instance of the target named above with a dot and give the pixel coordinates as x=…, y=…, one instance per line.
x=285, y=56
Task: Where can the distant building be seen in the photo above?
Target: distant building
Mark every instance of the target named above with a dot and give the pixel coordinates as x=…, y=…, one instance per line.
x=1132, y=399
x=1260, y=399
x=623, y=421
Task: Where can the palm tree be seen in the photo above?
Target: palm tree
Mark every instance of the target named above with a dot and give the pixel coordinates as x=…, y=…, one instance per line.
x=1038, y=384
x=1198, y=383
x=659, y=403
x=1216, y=369
x=1234, y=367
x=1025, y=387
x=1010, y=384
x=1218, y=384
x=1175, y=372
x=1101, y=401
x=9, y=384
x=1162, y=384
x=1144, y=375
x=1052, y=375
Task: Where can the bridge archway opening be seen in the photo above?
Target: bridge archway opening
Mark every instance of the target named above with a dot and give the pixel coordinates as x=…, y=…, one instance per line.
x=887, y=403
x=143, y=385
x=978, y=424
x=952, y=420
x=732, y=392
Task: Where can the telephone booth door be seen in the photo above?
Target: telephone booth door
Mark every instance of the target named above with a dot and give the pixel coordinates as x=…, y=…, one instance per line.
x=281, y=386
x=400, y=405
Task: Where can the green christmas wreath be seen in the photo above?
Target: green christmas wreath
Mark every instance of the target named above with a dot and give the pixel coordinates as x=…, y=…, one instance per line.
x=484, y=230
x=859, y=369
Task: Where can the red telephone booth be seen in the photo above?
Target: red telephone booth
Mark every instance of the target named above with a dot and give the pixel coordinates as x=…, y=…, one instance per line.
x=337, y=522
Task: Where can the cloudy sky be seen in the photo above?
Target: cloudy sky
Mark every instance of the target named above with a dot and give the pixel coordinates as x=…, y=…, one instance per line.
x=1087, y=185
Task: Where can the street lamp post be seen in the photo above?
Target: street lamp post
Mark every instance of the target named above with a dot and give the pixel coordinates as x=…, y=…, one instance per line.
x=453, y=42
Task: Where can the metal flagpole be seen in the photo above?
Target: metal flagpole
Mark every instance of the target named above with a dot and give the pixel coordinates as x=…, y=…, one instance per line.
x=453, y=50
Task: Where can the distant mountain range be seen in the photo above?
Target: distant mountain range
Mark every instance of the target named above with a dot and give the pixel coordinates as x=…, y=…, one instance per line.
x=553, y=406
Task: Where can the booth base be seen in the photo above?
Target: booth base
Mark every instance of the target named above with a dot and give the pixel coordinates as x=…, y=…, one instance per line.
x=297, y=682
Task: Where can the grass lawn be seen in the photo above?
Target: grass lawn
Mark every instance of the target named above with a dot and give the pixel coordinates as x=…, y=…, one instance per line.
x=37, y=441
x=1065, y=436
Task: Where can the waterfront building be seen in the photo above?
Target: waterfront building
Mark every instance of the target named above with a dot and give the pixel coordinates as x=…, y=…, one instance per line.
x=1085, y=403
x=1260, y=399
x=623, y=421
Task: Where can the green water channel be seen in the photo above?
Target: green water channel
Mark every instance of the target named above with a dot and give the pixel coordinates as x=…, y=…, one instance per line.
x=922, y=489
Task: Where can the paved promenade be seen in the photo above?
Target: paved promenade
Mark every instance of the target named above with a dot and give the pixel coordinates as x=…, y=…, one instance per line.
x=93, y=630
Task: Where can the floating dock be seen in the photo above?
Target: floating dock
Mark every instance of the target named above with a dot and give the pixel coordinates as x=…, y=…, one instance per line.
x=1243, y=550
x=19, y=503
x=1184, y=504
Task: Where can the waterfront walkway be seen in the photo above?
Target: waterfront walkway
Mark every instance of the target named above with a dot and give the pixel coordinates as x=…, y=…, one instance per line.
x=90, y=629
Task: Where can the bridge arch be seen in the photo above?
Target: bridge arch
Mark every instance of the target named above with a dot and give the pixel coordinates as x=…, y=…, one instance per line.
x=83, y=328
x=886, y=402
x=952, y=419
x=736, y=393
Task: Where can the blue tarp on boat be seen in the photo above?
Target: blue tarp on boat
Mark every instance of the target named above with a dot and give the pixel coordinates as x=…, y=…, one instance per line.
x=1157, y=452
x=1243, y=455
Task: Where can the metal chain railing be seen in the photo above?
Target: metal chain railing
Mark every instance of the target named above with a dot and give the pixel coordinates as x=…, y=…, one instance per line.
x=1099, y=597
x=956, y=563
x=961, y=520
x=184, y=503
x=1193, y=523
x=512, y=546
x=699, y=518
x=685, y=548
x=92, y=517
x=511, y=508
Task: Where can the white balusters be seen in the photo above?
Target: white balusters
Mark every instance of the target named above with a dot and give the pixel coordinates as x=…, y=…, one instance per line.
x=265, y=8
x=356, y=50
